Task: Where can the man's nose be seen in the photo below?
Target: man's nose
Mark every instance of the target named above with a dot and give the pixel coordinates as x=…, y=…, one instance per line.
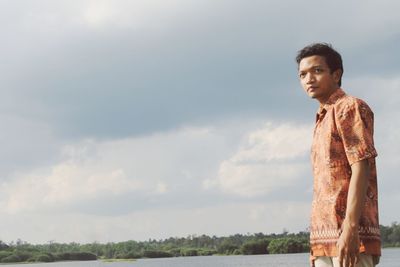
x=310, y=78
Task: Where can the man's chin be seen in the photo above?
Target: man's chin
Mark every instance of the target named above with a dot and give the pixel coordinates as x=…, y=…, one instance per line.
x=313, y=96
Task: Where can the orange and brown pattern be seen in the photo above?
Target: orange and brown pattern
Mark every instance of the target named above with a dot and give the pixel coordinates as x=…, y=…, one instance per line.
x=343, y=135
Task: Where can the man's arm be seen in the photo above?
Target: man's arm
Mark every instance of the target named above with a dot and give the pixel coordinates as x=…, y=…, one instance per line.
x=349, y=241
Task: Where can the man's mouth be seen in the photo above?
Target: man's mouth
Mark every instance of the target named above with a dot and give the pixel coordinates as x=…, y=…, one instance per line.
x=311, y=88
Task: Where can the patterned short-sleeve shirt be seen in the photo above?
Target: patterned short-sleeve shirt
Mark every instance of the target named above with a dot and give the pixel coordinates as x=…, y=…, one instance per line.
x=343, y=135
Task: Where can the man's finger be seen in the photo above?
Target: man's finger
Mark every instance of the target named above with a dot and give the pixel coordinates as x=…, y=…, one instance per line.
x=357, y=258
x=352, y=260
x=347, y=261
x=340, y=259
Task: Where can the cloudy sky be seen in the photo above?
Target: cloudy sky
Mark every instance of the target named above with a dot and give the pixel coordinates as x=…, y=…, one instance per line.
x=138, y=119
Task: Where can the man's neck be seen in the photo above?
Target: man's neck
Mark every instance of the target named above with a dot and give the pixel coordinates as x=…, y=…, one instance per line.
x=323, y=101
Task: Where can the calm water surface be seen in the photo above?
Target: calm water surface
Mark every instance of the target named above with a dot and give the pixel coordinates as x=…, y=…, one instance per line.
x=391, y=258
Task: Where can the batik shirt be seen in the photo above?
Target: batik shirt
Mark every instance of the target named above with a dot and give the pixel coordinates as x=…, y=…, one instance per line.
x=343, y=135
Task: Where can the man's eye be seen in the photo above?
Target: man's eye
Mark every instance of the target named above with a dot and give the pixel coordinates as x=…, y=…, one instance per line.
x=302, y=75
x=318, y=70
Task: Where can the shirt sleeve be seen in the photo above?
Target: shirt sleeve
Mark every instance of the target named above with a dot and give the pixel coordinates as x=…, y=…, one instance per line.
x=355, y=122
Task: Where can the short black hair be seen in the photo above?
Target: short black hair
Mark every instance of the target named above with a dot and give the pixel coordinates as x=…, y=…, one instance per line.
x=332, y=58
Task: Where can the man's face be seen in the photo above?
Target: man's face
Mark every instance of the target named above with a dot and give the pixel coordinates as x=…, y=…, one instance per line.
x=317, y=79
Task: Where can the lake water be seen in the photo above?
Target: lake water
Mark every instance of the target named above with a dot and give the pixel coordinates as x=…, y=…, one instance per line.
x=390, y=258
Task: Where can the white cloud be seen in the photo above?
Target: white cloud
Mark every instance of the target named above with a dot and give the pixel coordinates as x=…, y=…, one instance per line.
x=275, y=142
x=67, y=183
x=165, y=165
x=269, y=159
x=159, y=164
x=125, y=14
x=161, y=187
x=225, y=219
x=258, y=179
x=100, y=12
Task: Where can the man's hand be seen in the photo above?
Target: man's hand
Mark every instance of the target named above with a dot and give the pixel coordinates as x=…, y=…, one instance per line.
x=348, y=247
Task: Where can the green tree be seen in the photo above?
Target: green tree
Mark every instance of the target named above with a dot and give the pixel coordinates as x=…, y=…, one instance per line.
x=227, y=247
x=287, y=245
x=255, y=247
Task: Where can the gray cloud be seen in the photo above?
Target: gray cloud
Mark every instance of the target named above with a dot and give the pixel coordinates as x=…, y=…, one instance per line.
x=195, y=63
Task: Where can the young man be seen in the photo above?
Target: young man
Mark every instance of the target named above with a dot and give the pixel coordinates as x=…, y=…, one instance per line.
x=344, y=218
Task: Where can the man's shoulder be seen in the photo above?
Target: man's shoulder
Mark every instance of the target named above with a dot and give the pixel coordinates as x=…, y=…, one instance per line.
x=349, y=102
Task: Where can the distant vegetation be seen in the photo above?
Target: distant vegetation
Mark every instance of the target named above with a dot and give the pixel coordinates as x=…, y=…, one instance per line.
x=29, y=253
x=192, y=245
x=391, y=235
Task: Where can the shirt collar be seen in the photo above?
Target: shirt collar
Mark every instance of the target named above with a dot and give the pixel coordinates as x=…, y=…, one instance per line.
x=335, y=96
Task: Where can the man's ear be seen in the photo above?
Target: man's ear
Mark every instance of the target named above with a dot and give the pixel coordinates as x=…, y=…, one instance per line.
x=337, y=74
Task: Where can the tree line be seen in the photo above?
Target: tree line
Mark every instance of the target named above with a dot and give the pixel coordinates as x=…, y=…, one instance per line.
x=193, y=245
x=390, y=235
x=172, y=247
